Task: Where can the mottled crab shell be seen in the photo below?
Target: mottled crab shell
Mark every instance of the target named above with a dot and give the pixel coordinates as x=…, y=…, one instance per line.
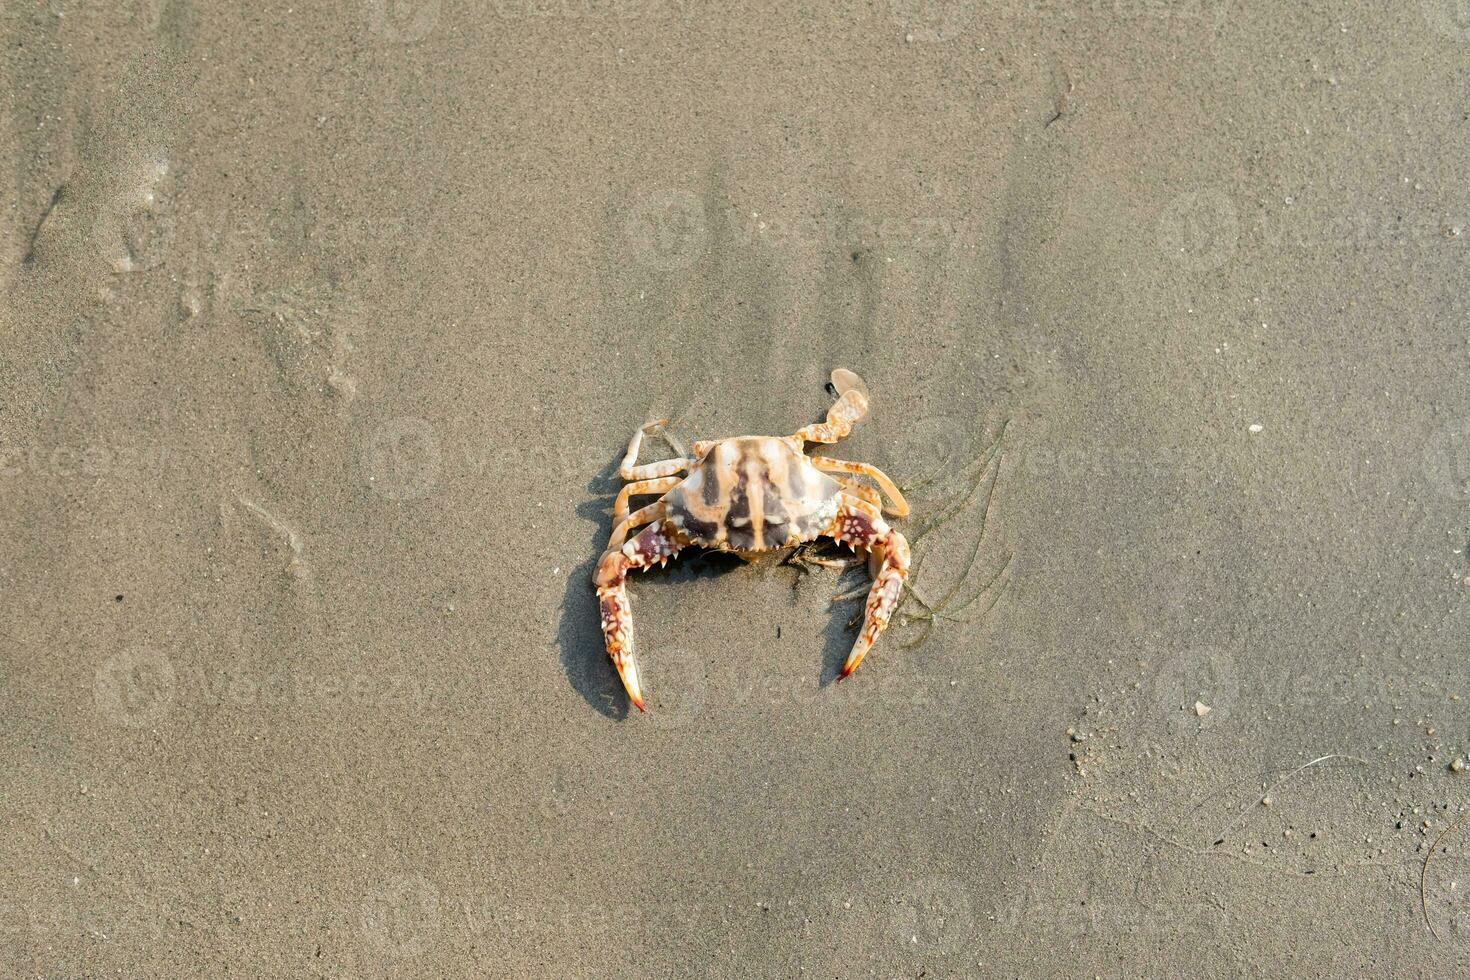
x=753, y=493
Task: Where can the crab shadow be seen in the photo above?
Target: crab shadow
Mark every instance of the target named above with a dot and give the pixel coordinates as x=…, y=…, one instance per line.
x=838, y=635
x=579, y=634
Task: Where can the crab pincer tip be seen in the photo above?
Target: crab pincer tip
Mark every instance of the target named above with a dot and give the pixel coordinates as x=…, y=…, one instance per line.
x=639, y=703
x=844, y=381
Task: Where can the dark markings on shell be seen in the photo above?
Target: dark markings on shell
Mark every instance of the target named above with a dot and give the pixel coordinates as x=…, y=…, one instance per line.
x=753, y=493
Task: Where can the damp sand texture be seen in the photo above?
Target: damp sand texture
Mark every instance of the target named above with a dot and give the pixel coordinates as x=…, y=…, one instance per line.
x=325, y=327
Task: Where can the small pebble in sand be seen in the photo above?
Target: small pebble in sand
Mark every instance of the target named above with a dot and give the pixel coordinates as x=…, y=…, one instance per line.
x=1265, y=801
x=1458, y=765
x=1256, y=428
x=1201, y=709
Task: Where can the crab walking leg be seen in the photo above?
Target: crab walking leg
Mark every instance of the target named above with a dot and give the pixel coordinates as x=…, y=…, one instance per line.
x=900, y=506
x=653, y=512
x=655, y=543
x=861, y=525
x=841, y=417
x=630, y=470
x=620, y=506
x=861, y=490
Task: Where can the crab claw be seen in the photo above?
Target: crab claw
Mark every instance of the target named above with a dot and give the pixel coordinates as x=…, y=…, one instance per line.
x=860, y=524
x=859, y=651
x=844, y=381
x=652, y=544
x=617, y=625
x=628, y=671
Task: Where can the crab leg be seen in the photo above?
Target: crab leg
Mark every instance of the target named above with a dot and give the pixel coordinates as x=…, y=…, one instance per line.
x=655, y=543
x=861, y=490
x=859, y=524
x=620, y=506
x=630, y=470
x=900, y=506
x=841, y=417
x=653, y=512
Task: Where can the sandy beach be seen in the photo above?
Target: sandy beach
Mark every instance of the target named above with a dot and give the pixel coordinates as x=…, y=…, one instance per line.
x=325, y=326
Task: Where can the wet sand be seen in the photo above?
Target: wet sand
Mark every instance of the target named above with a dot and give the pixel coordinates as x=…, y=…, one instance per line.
x=325, y=327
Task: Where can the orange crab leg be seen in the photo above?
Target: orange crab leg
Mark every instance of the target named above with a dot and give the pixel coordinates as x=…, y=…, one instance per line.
x=630, y=470
x=642, y=487
x=900, y=506
x=847, y=411
x=861, y=490
x=859, y=524
x=655, y=543
x=841, y=417
x=653, y=512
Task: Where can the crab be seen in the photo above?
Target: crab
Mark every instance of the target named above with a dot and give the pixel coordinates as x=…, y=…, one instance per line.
x=749, y=495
